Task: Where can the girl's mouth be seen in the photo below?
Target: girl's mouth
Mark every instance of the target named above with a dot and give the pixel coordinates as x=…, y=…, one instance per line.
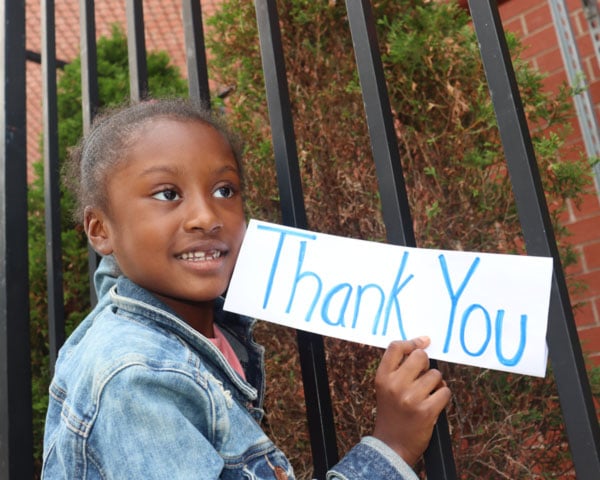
x=200, y=256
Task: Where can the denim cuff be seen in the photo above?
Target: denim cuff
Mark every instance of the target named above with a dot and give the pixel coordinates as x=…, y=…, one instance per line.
x=371, y=459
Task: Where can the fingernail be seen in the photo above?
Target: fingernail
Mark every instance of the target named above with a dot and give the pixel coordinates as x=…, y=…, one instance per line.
x=423, y=340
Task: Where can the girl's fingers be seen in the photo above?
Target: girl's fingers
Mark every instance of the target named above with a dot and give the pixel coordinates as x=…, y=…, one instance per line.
x=395, y=354
x=429, y=382
x=438, y=400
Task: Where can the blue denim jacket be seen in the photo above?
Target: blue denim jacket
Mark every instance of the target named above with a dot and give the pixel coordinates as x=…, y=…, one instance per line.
x=138, y=394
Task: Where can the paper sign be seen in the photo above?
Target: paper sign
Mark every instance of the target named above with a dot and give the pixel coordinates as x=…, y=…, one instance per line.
x=481, y=309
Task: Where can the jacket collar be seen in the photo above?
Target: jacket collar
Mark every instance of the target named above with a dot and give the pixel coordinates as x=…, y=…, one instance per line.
x=130, y=297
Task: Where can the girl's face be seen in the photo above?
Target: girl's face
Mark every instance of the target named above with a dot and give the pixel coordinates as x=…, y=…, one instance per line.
x=175, y=218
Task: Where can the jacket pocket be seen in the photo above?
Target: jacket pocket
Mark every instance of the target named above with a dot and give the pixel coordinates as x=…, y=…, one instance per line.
x=272, y=465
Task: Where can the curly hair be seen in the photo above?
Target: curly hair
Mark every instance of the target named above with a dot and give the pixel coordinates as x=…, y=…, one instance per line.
x=114, y=132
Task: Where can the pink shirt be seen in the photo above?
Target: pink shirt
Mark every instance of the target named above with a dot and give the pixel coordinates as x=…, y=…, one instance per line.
x=220, y=341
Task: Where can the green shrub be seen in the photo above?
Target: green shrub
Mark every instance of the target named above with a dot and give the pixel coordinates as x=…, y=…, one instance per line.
x=458, y=186
x=113, y=82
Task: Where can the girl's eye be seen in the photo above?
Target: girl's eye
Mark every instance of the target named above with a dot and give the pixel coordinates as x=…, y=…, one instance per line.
x=167, y=195
x=224, y=192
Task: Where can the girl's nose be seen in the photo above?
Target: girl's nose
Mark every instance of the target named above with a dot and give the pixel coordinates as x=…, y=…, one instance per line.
x=202, y=215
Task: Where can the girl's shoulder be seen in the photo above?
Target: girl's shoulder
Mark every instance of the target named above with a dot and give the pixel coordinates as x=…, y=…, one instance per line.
x=109, y=341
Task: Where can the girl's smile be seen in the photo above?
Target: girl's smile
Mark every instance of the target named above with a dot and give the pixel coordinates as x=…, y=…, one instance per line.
x=174, y=218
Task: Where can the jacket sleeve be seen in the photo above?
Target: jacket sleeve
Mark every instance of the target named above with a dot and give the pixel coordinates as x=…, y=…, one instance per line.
x=371, y=459
x=153, y=425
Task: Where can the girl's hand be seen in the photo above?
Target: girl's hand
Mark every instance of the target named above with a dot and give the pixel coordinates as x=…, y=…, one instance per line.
x=410, y=397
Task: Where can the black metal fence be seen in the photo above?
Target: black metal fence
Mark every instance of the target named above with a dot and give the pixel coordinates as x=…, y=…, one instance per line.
x=16, y=445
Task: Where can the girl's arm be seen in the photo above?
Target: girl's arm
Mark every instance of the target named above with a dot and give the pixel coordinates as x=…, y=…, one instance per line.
x=410, y=397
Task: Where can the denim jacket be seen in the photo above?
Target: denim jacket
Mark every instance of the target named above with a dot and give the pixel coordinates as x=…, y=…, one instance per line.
x=138, y=394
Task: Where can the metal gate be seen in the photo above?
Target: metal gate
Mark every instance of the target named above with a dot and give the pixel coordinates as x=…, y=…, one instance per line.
x=16, y=446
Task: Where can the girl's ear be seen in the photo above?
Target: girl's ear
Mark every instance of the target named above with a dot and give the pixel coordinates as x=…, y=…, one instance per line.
x=95, y=225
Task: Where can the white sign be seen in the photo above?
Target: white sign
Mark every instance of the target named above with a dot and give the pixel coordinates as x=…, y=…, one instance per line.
x=481, y=309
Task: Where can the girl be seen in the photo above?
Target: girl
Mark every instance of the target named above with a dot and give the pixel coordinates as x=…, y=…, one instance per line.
x=158, y=381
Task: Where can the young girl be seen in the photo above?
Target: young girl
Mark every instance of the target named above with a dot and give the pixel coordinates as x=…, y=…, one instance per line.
x=158, y=382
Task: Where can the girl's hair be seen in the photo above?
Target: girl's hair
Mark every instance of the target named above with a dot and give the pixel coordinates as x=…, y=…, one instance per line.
x=114, y=132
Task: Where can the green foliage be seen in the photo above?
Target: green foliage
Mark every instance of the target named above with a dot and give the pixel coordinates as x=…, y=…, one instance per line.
x=113, y=83
x=458, y=186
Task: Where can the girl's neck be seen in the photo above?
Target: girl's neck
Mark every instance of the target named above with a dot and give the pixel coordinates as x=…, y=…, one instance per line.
x=202, y=320
x=198, y=315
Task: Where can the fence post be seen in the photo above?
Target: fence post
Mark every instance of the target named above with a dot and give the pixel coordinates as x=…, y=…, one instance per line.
x=136, y=50
x=54, y=275
x=319, y=410
x=439, y=459
x=195, y=53
x=16, y=442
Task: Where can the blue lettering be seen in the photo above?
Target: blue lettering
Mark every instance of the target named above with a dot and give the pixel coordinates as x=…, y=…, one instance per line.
x=463, y=326
x=361, y=289
x=393, y=300
x=326, y=302
x=509, y=362
x=300, y=276
x=282, y=234
x=454, y=296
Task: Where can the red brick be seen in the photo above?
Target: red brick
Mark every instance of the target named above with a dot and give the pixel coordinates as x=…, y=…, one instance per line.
x=575, y=128
x=594, y=359
x=573, y=149
x=566, y=216
x=516, y=7
x=590, y=339
x=584, y=230
x=591, y=254
x=589, y=205
x=554, y=81
x=578, y=18
x=594, y=90
x=549, y=61
x=515, y=25
x=538, y=18
x=592, y=282
x=540, y=41
x=584, y=314
x=585, y=45
x=573, y=6
x=592, y=67
x=582, y=294
x=574, y=140
x=577, y=268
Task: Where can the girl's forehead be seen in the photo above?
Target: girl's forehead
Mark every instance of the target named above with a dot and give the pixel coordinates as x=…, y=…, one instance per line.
x=169, y=131
x=151, y=125
x=173, y=136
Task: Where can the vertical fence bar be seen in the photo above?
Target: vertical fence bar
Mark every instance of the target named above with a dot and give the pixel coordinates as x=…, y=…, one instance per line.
x=563, y=343
x=195, y=52
x=395, y=208
x=89, y=70
x=89, y=95
x=439, y=460
x=16, y=439
x=312, y=355
x=136, y=50
x=56, y=310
